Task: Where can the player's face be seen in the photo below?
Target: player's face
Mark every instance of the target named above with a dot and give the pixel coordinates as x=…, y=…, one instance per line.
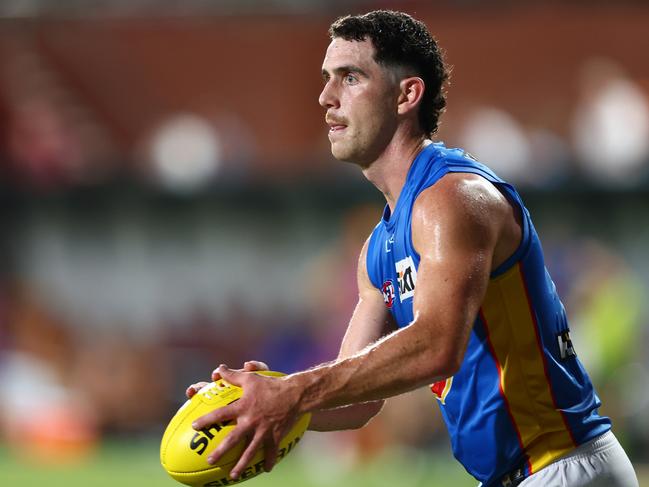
x=360, y=97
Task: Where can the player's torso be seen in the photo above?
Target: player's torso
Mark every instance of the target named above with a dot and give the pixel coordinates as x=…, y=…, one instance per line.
x=520, y=398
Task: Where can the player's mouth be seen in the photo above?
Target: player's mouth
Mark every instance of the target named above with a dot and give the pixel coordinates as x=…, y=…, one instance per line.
x=335, y=131
x=336, y=127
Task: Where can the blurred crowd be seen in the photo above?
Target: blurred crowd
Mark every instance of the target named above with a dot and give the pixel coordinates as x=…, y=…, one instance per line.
x=52, y=142
x=130, y=269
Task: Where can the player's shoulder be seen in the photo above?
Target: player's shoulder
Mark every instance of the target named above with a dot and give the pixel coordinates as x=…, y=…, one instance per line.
x=460, y=210
x=458, y=193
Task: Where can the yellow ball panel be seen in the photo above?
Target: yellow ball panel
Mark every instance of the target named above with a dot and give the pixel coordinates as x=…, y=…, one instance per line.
x=184, y=451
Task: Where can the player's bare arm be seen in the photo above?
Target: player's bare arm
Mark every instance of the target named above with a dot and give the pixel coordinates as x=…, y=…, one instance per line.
x=370, y=321
x=462, y=228
x=457, y=229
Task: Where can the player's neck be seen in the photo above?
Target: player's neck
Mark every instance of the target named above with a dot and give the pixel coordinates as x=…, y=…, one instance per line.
x=388, y=173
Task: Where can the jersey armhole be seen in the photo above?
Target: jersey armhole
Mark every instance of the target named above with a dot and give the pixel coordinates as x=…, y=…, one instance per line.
x=523, y=245
x=514, y=199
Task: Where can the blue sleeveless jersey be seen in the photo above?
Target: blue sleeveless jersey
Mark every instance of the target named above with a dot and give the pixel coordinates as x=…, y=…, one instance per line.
x=521, y=398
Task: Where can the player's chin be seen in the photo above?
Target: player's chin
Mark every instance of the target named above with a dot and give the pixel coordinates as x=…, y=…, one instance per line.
x=352, y=159
x=342, y=152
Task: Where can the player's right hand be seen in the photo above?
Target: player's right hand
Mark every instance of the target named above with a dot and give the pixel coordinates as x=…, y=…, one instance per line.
x=250, y=366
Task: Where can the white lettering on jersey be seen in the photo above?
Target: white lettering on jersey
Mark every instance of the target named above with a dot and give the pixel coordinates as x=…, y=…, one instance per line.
x=407, y=276
x=388, y=244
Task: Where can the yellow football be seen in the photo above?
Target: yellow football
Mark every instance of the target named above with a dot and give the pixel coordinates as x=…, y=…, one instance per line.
x=184, y=451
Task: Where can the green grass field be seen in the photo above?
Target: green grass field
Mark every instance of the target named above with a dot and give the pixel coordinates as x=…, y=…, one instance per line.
x=135, y=464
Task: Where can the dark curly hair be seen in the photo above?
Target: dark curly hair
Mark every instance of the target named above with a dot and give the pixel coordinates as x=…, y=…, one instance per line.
x=402, y=41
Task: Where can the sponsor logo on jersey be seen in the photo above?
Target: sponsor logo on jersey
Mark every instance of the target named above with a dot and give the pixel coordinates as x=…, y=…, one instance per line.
x=407, y=276
x=441, y=389
x=388, y=293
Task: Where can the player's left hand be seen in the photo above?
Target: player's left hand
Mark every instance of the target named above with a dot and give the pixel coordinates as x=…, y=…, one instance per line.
x=266, y=411
x=249, y=366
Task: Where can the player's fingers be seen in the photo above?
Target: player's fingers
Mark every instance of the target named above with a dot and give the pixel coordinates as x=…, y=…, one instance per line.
x=215, y=373
x=219, y=415
x=254, y=365
x=270, y=454
x=194, y=388
x=230, y=376
x=246, y=457
x=232, y=439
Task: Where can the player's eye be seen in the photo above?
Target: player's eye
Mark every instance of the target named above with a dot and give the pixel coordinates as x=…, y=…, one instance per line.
x=350, y=79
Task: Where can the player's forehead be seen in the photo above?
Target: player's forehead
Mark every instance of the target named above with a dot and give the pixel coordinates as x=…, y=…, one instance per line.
x=341, y=52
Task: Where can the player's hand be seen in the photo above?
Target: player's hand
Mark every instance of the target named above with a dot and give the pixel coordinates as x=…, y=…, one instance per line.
x=250, y=366
x=267, y=409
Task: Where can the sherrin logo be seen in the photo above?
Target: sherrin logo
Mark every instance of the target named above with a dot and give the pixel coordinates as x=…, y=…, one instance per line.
x=407, y=277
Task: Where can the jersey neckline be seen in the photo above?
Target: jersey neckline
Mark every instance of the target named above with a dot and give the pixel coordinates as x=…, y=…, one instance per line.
x=389, y=218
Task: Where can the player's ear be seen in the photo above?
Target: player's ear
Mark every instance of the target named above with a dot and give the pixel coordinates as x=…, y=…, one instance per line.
x=411, y=92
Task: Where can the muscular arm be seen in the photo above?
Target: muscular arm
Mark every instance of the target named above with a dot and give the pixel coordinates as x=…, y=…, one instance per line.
x=370, y=321
x=456, y=228
x=462, y=227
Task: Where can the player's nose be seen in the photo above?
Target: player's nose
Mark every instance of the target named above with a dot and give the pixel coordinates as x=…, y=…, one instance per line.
x=328, y=97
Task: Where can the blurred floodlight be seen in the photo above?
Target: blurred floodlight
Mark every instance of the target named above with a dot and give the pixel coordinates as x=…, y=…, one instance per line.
x=611, y=125
x=497, y=139
x=185, y=153
x=550, y=157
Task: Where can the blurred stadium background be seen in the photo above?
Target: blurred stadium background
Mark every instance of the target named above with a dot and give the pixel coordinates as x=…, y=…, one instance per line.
x=169, y=203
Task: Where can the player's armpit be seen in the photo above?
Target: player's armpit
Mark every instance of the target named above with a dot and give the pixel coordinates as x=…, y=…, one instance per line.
x=371, y=319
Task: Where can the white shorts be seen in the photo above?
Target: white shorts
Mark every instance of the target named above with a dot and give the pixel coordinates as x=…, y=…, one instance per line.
x=601, y=462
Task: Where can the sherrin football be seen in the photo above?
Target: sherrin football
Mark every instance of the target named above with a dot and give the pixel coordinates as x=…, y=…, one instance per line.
x=184, y=451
